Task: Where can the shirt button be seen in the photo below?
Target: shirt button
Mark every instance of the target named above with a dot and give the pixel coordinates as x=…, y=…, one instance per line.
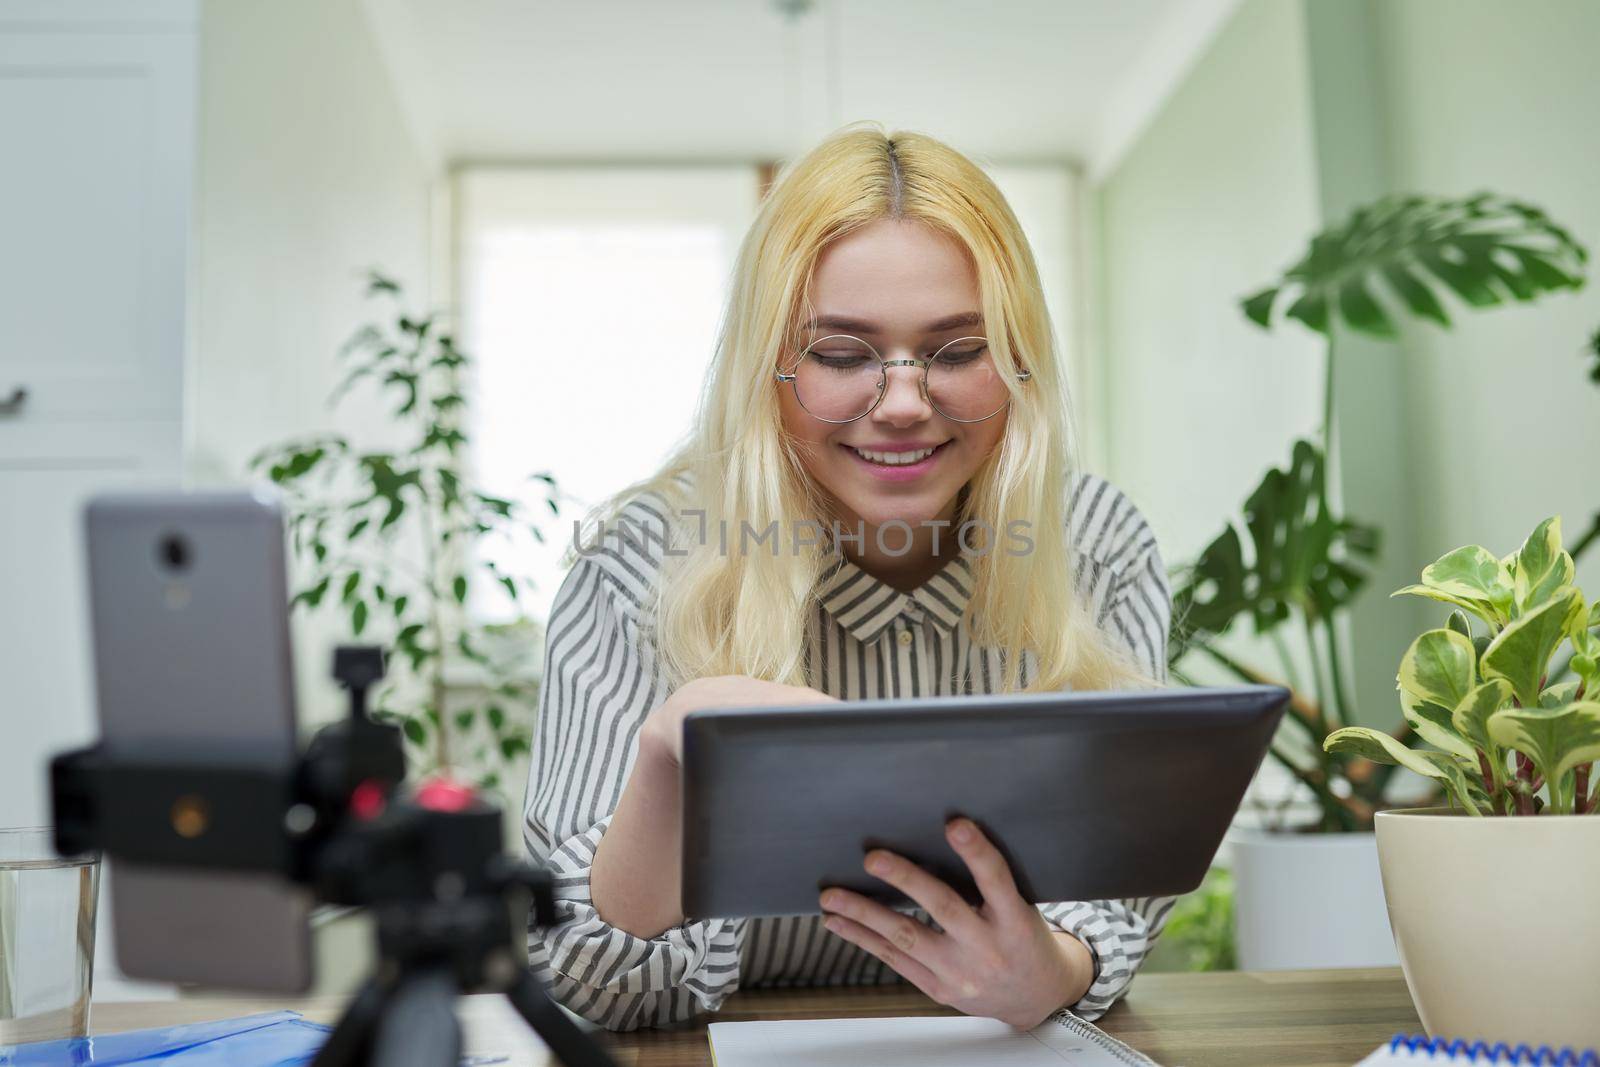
x=905, y=637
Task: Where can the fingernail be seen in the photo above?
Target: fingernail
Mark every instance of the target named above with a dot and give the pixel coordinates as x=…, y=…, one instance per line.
x=830, y=900
x=961, y=830
x=832, y=925
x=878, y=863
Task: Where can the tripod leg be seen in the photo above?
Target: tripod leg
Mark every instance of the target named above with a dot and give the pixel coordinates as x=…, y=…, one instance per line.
x=418, y=1027
x=571, y=1045
x=347, y=1045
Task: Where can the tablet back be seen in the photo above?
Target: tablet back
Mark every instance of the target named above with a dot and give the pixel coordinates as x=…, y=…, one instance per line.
x=1088, y=795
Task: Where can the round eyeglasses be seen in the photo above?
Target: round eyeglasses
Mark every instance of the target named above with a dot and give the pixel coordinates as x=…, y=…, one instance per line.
x=840, y=378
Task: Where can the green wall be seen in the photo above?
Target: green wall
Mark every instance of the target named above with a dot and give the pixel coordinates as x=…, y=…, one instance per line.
x=1505, y=428
x=1209, y=204
x=1298, y=110
x=1206, y=206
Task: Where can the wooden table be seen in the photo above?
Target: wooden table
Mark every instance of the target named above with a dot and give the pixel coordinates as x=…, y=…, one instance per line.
x=1226, y=1019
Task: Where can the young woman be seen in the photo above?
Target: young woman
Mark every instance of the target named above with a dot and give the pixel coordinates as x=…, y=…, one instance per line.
x=885, y=378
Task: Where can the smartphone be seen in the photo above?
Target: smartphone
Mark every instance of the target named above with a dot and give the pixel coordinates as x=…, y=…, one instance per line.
x=189, y=614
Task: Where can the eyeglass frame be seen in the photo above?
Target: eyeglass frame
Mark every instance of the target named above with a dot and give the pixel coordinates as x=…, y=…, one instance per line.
x=883, y=378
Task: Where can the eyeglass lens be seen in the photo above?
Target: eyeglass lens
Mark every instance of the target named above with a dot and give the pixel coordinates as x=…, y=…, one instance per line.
x=840, y=379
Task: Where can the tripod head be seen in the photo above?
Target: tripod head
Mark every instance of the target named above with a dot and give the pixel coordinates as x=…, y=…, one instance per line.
x=452, y=911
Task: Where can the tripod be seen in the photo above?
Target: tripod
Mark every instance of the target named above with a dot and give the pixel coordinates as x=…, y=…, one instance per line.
x=454, y=936
x=450, y=908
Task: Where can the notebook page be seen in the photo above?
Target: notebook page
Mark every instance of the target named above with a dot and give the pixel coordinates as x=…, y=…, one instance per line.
x=945, y=1041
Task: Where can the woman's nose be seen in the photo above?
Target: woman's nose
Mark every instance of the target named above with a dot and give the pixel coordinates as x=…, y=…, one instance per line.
x=903, y=402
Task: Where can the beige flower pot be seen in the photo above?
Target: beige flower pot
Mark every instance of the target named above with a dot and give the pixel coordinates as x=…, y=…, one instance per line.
x=1497, y=921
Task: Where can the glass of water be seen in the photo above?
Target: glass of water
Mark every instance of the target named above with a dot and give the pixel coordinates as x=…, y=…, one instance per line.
x=47, y=914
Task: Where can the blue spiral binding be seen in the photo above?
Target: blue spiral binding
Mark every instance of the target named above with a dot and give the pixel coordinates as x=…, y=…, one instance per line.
x=1497, y=1055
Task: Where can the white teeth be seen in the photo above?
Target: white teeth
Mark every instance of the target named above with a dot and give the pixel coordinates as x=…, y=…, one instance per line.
x=895, y=459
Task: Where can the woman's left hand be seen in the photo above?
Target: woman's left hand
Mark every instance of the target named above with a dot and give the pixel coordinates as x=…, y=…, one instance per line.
x=1001, y=960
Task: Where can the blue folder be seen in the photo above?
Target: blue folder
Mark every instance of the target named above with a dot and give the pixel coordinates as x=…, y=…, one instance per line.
x=272, y=1039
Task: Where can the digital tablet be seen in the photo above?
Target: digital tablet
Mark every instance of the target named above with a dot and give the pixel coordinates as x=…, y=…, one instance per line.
x=1088, y=795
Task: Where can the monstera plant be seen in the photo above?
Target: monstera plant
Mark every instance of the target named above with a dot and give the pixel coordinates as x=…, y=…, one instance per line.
x=1505, y=739
x=1291, y=565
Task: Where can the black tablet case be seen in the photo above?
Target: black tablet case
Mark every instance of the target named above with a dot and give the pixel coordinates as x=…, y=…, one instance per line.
x=1088, y=795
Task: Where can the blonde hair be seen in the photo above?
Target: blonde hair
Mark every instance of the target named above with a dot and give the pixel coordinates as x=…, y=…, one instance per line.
x=745, y=612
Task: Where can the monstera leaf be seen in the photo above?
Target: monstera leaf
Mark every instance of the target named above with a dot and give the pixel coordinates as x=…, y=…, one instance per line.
x=1299, y=555
x=1403, y=252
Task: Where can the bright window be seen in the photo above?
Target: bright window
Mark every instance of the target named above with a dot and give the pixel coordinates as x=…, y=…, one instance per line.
x=590, y=300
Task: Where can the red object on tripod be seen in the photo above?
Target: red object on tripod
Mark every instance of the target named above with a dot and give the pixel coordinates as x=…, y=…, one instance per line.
x=442, y=794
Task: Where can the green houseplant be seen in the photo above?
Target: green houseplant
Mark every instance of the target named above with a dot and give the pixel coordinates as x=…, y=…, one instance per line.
x=1290, y=567
x=1493, y=910
x=390, y=540
x=1504, y=739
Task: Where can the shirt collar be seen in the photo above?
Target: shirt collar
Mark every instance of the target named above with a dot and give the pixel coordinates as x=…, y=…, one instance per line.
x=865, y=605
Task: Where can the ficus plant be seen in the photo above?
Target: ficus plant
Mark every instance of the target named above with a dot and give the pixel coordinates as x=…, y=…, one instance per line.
x=1291, y=564
x=393, y=540
x=1505, y=739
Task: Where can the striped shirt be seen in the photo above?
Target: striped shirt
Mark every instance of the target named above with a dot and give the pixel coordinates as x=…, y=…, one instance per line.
x=866, y=639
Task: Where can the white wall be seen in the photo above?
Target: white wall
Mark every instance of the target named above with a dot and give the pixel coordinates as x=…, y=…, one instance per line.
x=1297, y=111
x=308, y=175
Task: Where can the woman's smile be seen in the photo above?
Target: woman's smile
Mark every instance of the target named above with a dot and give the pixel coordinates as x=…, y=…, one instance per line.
x=898, y=462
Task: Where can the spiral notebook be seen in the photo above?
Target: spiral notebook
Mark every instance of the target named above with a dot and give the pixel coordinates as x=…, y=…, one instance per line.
x=1404, y=1049
x=1063, y=1040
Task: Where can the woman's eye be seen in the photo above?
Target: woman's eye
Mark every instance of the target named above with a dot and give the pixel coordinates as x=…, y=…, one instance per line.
x=840, y=360
x=962, y=355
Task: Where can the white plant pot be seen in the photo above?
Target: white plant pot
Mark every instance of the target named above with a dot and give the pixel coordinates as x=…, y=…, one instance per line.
x=1308, y=900
x=1498, y=923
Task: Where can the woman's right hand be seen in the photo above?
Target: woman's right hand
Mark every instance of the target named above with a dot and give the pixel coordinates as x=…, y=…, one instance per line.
x=634, y=883
x=663, y=730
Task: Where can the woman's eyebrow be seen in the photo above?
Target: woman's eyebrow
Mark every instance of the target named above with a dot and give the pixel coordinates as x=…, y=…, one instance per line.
x=838, y=322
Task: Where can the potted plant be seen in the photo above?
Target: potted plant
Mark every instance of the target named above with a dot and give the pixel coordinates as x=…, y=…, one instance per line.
x=1291, y=566
x=391, y=540
x=1493, y=899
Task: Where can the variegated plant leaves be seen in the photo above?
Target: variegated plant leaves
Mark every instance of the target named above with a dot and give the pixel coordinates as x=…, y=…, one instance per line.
x=1379, y=747
x=1559, y=695
x=1586, y=657
x=1471, y=577
x=1521, y=652
x=1436, y=674
x=1543, y=567
x=1556, y=739
x=1456, y=683
x=1471, y=716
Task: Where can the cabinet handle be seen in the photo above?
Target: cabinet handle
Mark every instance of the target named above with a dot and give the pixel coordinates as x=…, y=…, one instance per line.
x=13, y=404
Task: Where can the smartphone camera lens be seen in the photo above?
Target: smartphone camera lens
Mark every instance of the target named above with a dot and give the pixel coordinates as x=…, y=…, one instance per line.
x=174, y=553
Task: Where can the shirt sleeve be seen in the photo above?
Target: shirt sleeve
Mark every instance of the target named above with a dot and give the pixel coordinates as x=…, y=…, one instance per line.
x=601, y=679
x=1138, y=612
